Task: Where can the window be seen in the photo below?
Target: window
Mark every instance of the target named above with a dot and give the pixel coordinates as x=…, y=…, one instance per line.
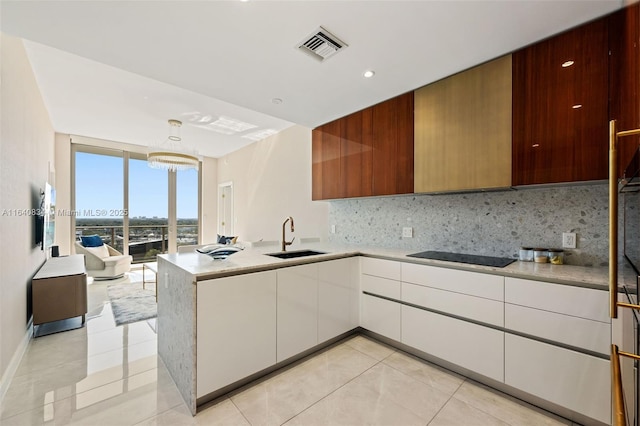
x=139, y=221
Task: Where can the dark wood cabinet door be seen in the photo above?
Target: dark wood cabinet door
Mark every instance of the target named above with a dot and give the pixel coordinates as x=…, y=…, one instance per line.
x=356, y=156
x=316, y=164
x=393, y=146
x=325, y=152
x=624, y=78
x=560, y=109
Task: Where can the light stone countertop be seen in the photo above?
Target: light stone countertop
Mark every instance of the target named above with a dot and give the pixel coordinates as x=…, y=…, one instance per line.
x=255, y=260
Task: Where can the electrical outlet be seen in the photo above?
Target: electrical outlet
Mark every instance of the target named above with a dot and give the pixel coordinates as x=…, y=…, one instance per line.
x=569, y=240
x=333, y=229
x=407, y=232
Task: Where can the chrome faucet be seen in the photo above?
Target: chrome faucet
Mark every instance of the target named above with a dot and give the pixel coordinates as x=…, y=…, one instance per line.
x=286, y=243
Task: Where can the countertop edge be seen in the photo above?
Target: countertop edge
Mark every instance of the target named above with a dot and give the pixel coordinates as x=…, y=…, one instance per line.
x=254, y=260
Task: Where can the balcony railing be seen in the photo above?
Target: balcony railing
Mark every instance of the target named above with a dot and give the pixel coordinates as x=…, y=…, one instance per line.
x=145, y=241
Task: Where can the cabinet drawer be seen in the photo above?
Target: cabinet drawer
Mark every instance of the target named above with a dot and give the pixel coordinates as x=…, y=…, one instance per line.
x=476, y=308
x=571, y=379
x=381, y=316
x=381, y=268
x=381, y=286
x=472, y=283
x=582, y=333
x=471, y=346
x=564, y=299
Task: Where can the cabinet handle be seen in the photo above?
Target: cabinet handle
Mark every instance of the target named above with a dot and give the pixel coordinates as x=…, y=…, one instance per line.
x=614, y=135
x=619, y=413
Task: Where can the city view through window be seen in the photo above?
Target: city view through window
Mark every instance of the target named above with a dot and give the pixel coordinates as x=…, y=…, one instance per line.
x=100, y=200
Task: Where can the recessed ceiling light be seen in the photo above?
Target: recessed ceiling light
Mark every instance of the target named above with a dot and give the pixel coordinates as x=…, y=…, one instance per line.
x=567, y=64
x=576, y=106
x=368, y=74
x=276, y=101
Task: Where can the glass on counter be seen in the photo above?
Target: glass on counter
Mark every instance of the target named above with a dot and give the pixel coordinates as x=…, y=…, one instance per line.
x=525, y=254
x=556, y=256
x=540, y=255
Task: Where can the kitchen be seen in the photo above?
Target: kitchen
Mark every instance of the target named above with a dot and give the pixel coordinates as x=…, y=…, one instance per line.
x=491, y=220
x=495, y=222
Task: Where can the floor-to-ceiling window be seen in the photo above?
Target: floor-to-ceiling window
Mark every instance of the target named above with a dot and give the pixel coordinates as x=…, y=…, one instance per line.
x=148, y=210
x=140, y=210
x=187, y=207
x=99, y=207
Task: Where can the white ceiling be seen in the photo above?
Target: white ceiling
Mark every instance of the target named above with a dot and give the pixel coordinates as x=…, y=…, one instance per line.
x=118, y=70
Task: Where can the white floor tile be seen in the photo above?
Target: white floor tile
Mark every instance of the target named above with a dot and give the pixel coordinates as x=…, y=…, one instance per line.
x=457, y=413
x=504, y=407
x=432, y=375
x=380, y=393
x=369, y=347
x=279, y=398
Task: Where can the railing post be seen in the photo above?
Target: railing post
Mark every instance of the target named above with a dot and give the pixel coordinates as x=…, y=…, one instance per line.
x=163, y=244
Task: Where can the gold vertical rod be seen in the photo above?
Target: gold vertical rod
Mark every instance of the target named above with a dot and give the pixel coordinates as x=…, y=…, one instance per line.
x=619, y=418
x=613, y=220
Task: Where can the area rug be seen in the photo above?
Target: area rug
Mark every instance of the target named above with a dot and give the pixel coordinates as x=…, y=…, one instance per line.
x=131, y=303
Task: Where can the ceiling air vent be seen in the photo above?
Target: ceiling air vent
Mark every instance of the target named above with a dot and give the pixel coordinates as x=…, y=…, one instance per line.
x=321, y=44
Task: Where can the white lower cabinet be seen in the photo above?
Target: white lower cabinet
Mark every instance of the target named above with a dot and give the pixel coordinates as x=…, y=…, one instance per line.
x=477, y=348
x=297, y=319
x=381, y=316
x=236, y=328
x=571, y=379
x=338, y=297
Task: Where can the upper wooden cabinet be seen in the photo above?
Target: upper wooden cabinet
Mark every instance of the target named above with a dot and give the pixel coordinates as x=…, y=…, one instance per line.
x=463, y=130
x=560, y=107
x=624, y=78
x=325, y=169
x=393, y=146
x=356, y=154
x=366, y=153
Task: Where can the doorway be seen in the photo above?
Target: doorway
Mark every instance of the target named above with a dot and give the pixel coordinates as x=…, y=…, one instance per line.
x=225, y=209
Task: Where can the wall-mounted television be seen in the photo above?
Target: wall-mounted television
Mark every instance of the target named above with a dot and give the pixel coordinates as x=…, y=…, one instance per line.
x=45, y=231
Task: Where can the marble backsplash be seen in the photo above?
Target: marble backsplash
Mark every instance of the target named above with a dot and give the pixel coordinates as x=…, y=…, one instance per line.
x=487, y=223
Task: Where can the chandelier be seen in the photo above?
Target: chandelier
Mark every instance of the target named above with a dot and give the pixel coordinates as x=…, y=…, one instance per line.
x=168, y=155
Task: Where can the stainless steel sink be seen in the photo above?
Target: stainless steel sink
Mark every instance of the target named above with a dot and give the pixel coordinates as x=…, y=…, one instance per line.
x=294, y=254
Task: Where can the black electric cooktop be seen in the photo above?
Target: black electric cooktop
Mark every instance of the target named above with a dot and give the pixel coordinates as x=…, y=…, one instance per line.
x=496, y=262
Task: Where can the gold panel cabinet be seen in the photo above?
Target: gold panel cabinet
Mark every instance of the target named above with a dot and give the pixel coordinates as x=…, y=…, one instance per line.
x=463, y=130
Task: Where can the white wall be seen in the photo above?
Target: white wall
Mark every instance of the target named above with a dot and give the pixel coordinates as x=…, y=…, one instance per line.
x=64, y=233
x=271, y=181
x=209, y=212
x=26, y=156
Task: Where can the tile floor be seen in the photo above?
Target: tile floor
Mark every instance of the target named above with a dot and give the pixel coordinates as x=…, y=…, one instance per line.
x=106, y=375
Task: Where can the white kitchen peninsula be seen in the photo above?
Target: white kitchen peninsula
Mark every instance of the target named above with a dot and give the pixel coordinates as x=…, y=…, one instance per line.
x=217, y=320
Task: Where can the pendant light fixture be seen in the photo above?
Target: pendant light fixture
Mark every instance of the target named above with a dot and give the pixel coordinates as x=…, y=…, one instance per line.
x=168, y=155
